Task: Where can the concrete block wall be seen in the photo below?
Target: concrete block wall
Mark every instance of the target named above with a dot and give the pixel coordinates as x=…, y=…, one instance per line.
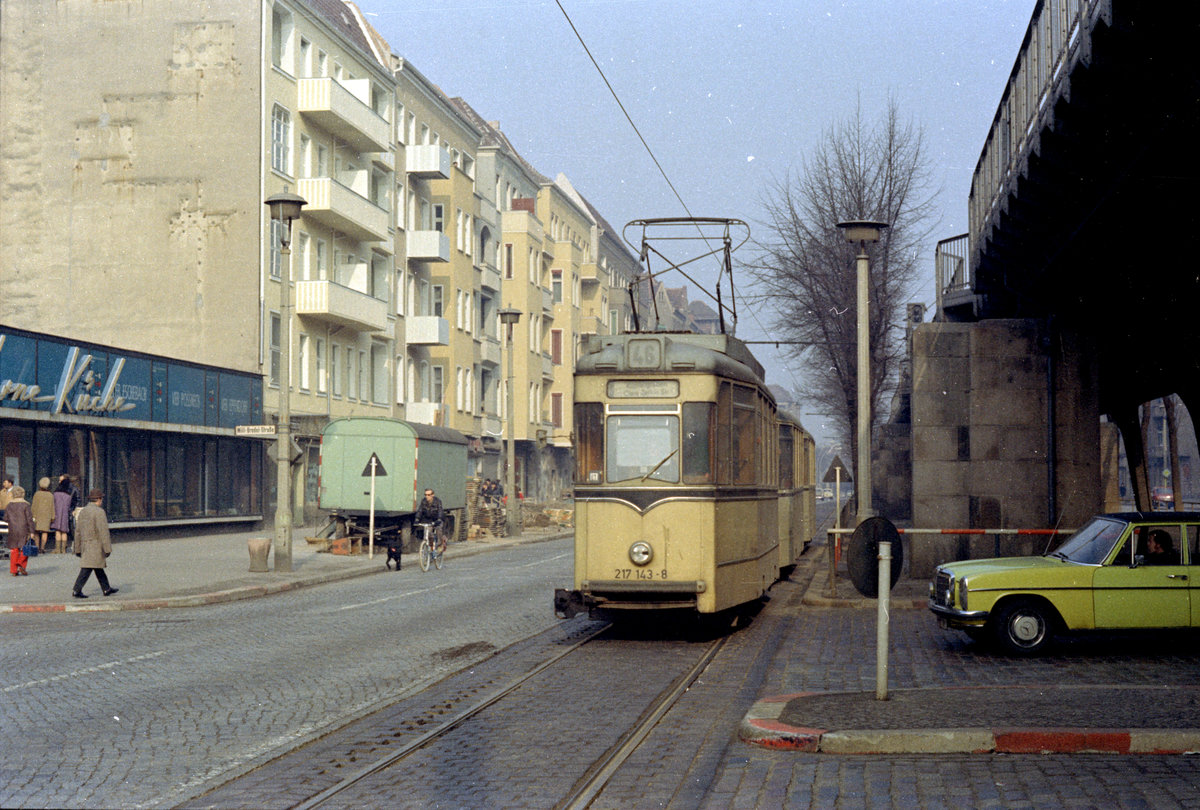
x=982, y=444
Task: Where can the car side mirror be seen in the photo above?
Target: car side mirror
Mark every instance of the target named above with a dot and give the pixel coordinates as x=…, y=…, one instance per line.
x=1138, y=560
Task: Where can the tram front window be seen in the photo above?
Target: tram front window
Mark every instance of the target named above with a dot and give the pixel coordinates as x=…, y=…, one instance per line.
x=643, y=446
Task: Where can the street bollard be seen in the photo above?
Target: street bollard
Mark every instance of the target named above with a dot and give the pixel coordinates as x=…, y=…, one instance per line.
x=881, y=635
x=259, y=548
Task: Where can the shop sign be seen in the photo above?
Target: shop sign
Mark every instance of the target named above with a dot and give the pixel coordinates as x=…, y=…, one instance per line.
x=76, y=371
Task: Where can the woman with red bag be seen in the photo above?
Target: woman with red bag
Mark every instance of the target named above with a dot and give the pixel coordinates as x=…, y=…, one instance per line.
x=20, y=528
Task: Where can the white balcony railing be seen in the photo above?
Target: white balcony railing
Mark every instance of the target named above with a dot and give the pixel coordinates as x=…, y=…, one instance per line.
x=332, y=204
x=489, y=351
x=335, y=109
x=340, y=305
x=430, y=162
x=427, y=413
x=429, y=246
x=427, y=330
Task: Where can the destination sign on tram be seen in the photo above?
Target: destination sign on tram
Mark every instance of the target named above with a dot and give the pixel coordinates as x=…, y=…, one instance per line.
x=635, y=389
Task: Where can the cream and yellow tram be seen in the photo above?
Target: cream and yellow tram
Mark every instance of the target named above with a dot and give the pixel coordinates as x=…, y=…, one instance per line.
x=797, y=490
x=676, y=484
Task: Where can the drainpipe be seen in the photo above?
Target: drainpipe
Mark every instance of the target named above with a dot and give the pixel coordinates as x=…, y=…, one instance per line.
x=1051, y=428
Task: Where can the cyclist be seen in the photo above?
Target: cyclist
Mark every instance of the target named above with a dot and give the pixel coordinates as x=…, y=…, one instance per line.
x=430, y=511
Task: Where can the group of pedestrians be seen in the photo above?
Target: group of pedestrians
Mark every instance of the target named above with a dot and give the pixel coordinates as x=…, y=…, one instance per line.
x=492, y=492
x=58, y=512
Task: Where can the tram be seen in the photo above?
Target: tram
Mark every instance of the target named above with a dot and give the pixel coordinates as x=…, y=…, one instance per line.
x=797, y=490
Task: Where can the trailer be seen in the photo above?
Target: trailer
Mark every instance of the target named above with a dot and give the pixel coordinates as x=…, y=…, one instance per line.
x=396, y=460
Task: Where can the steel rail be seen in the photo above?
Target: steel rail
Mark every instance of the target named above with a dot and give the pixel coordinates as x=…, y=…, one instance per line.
x=603, y=769
x=420, y=742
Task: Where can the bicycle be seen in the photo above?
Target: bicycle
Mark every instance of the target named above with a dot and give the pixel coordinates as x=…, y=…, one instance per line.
x=431, y=551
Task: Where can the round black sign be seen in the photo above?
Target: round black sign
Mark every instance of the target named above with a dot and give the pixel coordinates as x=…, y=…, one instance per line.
x=862, y=554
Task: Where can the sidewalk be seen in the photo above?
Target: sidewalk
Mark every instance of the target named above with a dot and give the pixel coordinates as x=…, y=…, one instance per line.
x=1018, y=718
x=186, y=572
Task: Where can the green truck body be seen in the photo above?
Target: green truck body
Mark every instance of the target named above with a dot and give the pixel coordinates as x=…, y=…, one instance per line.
x=410, y=459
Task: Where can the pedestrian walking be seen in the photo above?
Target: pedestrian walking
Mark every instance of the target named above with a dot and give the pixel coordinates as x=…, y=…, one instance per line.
x=76, y=505
x=62, y=517
x=43, y=511
x=19, y=517
x=5, y=493
x=92, y=545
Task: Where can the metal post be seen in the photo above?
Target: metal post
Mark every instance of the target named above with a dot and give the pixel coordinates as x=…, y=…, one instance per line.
x=512, y=522
x=881, y=634
x=862, y=483
x=283, y=433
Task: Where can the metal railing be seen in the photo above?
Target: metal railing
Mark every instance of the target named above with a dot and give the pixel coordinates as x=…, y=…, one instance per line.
x=950, y=261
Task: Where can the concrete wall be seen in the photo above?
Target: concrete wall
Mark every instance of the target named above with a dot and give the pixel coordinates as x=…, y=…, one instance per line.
x=984, y=453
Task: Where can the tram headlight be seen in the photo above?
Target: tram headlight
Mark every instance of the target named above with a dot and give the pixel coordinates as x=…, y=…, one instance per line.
x=640, y=553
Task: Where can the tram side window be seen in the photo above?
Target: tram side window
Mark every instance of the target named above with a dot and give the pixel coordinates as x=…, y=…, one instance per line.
x=698, y=427
x=589, y=450
x=724, y=449
x=745, y=436
x=786, y=467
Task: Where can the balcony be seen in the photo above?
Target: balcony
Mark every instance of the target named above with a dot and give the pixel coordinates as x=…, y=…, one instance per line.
x=335, y=109
x=591, y=273
x=341, y=306
x=492, y=426
x=334, y=205
x=547, y=367
x=489, y=352
x=427, y=413
x=490, y=279
x=428, y=246
x=547, y=303
x=429, y=162
x=384, y=160
x=522, y=222
x=427, y=330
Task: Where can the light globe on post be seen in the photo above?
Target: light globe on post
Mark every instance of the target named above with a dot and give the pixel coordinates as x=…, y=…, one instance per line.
x=285, y=207
x=863, y=231
x=512, y=522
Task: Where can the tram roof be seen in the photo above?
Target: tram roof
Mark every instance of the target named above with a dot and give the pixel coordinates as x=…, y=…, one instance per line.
x=682, y=352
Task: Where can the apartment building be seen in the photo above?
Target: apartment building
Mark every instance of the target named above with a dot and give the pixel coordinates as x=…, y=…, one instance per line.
x=141, y=270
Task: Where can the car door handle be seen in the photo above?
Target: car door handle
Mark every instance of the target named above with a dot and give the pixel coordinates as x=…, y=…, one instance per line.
x=1176, y=576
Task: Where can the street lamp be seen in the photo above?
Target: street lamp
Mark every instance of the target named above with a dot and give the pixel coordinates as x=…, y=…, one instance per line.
x=285, y=207
x=512, y=523
x=863, y=231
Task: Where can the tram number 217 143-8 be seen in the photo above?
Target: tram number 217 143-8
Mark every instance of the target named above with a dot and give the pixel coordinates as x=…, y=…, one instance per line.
x=639, y=573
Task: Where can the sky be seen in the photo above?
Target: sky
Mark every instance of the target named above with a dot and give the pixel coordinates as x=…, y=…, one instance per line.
x=731, y=97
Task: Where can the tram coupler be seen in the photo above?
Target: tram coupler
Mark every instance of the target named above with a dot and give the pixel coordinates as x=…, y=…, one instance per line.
x=568, y=604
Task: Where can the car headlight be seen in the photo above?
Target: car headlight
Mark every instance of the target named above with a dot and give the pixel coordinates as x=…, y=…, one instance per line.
x=640, y=553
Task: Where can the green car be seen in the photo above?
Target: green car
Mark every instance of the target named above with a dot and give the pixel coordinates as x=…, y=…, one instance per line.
x=1120, y=571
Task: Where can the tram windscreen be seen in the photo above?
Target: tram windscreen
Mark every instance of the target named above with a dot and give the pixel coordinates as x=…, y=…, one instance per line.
x=642, y=446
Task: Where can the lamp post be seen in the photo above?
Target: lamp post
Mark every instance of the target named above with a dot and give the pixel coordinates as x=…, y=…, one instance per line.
x=863, y=231
x=285, y=207
x=512, y=524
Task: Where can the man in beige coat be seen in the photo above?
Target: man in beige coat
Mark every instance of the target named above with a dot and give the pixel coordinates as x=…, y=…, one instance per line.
x=92, y=545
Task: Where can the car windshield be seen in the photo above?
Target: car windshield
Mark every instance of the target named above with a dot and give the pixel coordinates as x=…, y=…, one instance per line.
x=1091, y=544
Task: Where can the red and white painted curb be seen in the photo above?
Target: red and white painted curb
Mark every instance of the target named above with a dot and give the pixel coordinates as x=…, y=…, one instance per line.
x=762, y=726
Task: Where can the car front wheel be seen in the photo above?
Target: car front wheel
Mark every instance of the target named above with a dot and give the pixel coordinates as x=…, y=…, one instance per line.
x=1024, y=627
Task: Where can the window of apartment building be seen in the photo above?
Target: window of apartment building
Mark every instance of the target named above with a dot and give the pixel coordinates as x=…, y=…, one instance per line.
x=303, y=254
x=458, y=309
x=322, y=167
x=469, y=166
x=319, y=351
x=305, y=359
x=322, y=63
x=425, y=135
x=281, y=37
x=364, y=383
x=458, y=388
x=468, y=316
x=281, y=140
x=469, y=392
x=458, y=229
x=305, y=157
x=402, y=369
x=321, y=260
x=439, y=217
x=468, y=234
x=556, y=285
x=401, y=206
x=535, y=329
x=556, y=410
x=437, y=301
x=533, y=403
x=412, y=129
x=335, y=375
x=533, y=273
x=379, y=377
x=400, y=118
x=508, y=260
x=351, y=378
x=576, y=288
x=614, y=322
x=304, y=70
x=276, y=254
x=339, y=72
x=556, y=346
x=275, y=348
x=437, y=383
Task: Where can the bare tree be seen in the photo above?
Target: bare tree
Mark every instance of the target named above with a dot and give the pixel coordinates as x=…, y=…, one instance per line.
x=804, y=270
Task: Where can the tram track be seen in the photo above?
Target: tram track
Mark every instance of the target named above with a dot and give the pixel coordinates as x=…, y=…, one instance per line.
x=365, y=768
